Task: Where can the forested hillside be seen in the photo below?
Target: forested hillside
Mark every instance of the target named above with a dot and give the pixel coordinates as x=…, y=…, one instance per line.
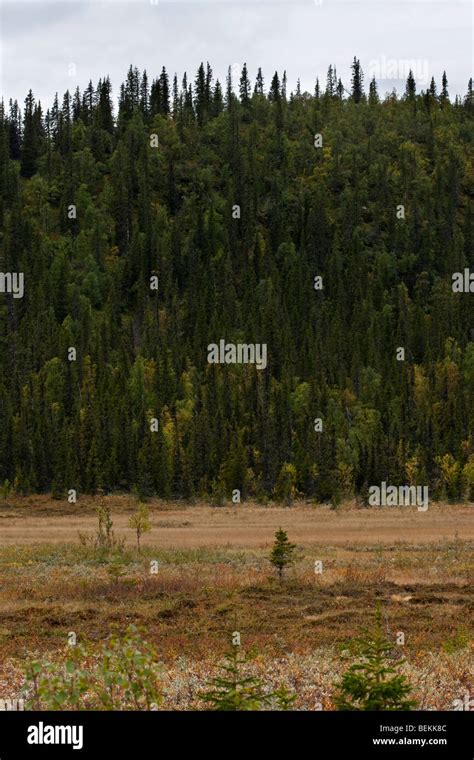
x=236, y=204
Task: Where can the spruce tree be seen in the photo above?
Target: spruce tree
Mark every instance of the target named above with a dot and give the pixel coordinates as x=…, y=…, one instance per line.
x=229, y=94
x=357, y=81
x=164, y=104
x=105, y=117
x=373, y=683
x=76, y=105
x=234, y=691
x=30, y=143
x=469, y=97
x=14, y=130
x=209, y=77
x=274, y=93
x=244, y=87
x=88, y=101
x=175, y=97
x=340, y=89
x=331, y=82
x=410, y=88
x=373, y=94
x=282, y=552
x=444, y=88
x=259, y=83
x=200, y=102
x=144, y=94
x=217, y=99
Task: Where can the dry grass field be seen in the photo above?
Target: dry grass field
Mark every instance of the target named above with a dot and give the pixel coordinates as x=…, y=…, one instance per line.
x=214, y=577
x=39, y=519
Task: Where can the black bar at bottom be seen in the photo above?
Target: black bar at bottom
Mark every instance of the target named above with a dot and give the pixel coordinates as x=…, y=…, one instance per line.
x=149, y=735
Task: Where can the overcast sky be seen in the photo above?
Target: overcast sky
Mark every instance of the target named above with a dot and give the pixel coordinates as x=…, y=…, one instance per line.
x=54, y=46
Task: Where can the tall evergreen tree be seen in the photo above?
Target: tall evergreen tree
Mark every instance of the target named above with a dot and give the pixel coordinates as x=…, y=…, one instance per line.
x=410, y=88
x=217, y=99
x=275, y=93
x=164, y=106
x=229, y=91
x=14, y=128
x=444, y=88
x=340, y=89
x=469, y=97
x=175, y=97
x=105, y=118
x=32, y=135
x=259, y=84
x=144, y=94
x=331, y=82
x=357, y=81
x=244, y=87
x=373, y=94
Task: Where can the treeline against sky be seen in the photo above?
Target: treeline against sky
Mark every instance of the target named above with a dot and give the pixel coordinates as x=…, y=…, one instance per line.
x=236, y=203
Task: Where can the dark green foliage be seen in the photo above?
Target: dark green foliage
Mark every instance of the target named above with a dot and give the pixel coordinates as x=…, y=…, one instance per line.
x=410, y=90
x=233, y=690
x=373, y=683
x=259, y=83
x=373, y=94
x=244, y=87
x=32, y=136
x=357, y=81
x=282, y=552
x=305, y=212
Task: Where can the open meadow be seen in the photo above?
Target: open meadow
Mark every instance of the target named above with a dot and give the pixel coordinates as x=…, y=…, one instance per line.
x=204, y=572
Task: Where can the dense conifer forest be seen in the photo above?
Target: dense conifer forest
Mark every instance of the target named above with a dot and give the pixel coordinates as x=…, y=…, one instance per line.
x=327, y=226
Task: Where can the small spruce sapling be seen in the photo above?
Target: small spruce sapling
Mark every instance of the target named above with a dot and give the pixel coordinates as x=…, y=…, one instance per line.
x=373, y=684
x=233, y=690
x=282, y=552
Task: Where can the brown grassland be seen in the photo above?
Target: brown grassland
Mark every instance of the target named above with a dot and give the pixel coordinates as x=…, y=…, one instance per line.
x=214, y=577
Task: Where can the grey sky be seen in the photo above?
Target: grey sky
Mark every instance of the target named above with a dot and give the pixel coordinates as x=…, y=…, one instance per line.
x=54, y=46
